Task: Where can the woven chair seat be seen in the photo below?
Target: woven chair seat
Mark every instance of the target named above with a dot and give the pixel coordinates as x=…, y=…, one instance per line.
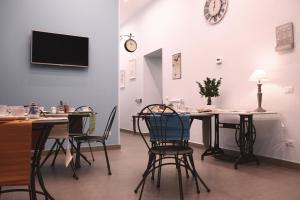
x=171, y=150
x=90, y=138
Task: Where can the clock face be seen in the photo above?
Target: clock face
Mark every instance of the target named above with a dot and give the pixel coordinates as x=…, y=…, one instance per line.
x=130, y=45
x=215, y=10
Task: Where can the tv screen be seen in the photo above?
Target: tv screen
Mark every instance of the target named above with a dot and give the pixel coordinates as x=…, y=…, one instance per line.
x=58, y=49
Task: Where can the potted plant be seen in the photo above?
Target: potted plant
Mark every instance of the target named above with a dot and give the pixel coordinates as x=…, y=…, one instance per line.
x=209, y=88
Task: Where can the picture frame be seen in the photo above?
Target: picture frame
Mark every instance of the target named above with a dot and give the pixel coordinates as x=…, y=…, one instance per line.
x=284, y=37
x=132, y=69
x=122, y=78
x=176, y=66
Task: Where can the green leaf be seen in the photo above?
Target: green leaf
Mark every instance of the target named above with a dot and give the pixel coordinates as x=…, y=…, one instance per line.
x=210, y=87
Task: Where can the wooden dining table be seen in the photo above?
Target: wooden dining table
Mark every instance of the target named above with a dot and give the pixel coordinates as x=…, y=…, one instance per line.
x=21, y=145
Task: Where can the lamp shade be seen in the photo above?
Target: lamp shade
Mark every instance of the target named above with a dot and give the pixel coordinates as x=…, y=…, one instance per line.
x=258, y=75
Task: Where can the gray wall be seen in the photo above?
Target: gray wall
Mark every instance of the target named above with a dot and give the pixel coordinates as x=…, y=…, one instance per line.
x=21, y=82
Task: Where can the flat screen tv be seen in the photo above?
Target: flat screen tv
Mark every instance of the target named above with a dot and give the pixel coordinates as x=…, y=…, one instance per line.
x=58, y=49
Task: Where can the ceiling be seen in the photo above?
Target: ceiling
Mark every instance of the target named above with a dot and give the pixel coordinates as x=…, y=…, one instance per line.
x=128, y=8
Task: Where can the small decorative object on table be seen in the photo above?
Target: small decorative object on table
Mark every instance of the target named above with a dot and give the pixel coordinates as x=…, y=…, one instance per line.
x=66, y=108
x=34, y=111
x=210, y=88
x=60, y=108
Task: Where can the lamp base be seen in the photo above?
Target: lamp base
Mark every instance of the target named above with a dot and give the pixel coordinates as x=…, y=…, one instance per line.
x=260, y=109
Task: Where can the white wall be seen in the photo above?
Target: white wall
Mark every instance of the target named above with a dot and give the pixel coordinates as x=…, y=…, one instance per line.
x=152, y=80
x=246, y=40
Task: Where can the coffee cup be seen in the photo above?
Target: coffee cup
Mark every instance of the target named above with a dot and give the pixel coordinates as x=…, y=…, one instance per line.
x=53, y=110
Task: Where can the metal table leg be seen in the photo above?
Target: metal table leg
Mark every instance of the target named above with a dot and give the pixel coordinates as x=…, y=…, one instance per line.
x=246, y=141
x=213, y=150
x=134, y=124
x=36, y=166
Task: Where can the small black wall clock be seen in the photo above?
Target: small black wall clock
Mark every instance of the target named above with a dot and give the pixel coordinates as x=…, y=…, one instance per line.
x=130, y=44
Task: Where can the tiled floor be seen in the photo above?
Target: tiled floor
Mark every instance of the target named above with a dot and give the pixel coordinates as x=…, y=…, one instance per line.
x=249, y=182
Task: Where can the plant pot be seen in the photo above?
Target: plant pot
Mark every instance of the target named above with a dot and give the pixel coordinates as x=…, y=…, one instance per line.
x=208, y=100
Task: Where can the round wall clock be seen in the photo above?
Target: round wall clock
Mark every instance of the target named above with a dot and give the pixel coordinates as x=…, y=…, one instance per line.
x=215, y=10
x=130, y=45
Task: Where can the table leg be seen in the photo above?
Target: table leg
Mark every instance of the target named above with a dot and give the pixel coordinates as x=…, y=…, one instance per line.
x=246, y=141
x=43, y=138
x=206, y=127
x=134, y=124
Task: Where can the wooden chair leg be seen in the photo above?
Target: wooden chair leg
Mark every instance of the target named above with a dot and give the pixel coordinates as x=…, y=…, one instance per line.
x=106, y=156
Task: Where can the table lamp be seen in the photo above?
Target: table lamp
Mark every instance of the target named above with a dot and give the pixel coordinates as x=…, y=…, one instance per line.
x=259, y=76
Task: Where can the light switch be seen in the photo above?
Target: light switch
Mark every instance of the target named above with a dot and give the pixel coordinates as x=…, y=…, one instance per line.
x=288, y=89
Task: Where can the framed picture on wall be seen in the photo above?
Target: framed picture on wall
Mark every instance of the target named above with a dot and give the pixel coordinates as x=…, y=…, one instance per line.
x=122, y=78
x=132, y=69
x=176, y=66
x=284, y=37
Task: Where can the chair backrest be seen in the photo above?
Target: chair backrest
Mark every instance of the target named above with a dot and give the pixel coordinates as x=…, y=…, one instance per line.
x=79, y=124
x=164, y=124
x=84, y=108
x=60, y=131
x=109, y=122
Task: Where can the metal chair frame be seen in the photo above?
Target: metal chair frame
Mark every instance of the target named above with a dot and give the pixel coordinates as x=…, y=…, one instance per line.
x=164, y=149
x=58, y=145
x=101, y=139
x=84, y=132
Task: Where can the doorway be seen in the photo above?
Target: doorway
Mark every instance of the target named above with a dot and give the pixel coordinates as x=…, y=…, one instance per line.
x=153, y=79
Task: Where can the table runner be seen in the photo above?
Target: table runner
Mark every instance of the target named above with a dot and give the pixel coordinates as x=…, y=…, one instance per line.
x=167, y=127
x=15, y=152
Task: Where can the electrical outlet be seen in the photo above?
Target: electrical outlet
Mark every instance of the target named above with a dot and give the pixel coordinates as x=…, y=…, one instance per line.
x=289, y=143
x=289, y=89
